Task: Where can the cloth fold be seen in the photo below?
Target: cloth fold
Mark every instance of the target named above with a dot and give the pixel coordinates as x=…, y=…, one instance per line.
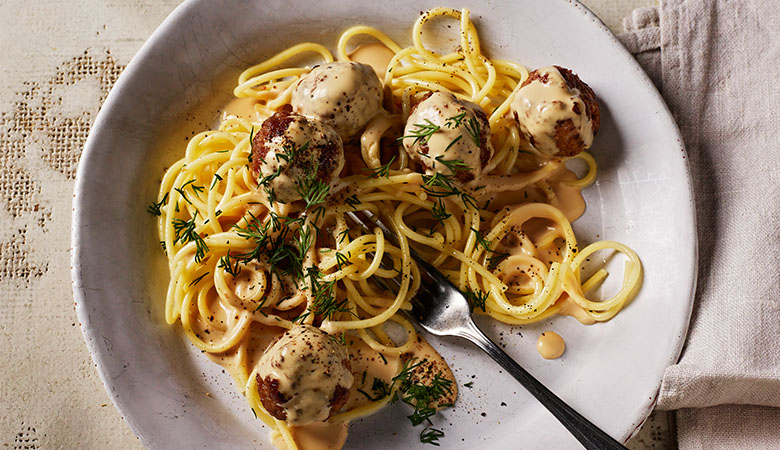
x=714, y=63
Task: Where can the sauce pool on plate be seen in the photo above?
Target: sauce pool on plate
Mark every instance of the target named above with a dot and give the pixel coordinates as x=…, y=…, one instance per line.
x=550, y=345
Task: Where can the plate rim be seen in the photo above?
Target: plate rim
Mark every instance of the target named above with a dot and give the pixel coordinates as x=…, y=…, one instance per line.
x=98, y=353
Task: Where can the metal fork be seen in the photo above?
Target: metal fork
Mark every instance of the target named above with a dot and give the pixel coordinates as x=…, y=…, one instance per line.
x=441, y=309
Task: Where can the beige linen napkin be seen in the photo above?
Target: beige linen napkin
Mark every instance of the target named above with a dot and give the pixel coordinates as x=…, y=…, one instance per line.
x=716, y=64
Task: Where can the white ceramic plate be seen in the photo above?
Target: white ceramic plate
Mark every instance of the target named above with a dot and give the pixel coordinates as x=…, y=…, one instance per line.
x=611, y=372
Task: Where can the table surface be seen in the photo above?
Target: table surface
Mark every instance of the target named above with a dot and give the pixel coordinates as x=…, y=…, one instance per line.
x=58, y=60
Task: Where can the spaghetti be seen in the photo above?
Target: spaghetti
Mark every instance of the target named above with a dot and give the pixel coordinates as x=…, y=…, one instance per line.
x=245, y=268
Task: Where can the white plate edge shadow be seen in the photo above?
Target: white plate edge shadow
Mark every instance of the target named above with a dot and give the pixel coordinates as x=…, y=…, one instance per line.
x=98, y=351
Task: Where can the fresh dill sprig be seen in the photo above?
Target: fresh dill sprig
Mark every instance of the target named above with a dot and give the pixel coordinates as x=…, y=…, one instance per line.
x=495, y=259
x=380, y=388
x=430, y=435
x=290, y=152
x=271, y=195
x=473, y=129
x=442, y=185
x=318, y=213
x=214, y=182
x=452, y=143
x=352, y=201
x=382, y=171
x=185, y=232
x=423, y=398
x=481, y=239
x=454, y=121
x=422, y=132
x=312, y=190
x=197, y=280
x=154, y=208
x=260, y=306
x=268, y=178
x=324, y=303
x=477, y=299
x=455, y=165
x=341, y=260
x=195, y=188
x=439, y=212
x=232, y=269
x=251, y=155
x=253, y=231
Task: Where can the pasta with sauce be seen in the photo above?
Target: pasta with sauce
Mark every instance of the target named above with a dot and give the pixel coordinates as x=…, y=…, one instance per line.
x=461, y=155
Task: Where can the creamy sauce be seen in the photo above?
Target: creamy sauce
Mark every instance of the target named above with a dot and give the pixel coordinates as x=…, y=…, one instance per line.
x=550, y=345
x=570, y=308
x=371, y=138
x=539, y=106
x=236, y=362
x=452, y=140
x=435, y=365
x=375, y=55
x=345, y=95
x=366, y=360
x=240, y=107
x=309, y=366
x=569, y=198
x=250, y=283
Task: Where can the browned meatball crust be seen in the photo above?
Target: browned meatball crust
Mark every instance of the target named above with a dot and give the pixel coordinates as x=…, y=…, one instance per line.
x=565, y=121
x=304, y=376
x=306, y=146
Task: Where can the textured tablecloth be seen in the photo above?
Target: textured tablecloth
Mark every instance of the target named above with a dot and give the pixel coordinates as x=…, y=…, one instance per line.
x=58, y=60
x=714, y=62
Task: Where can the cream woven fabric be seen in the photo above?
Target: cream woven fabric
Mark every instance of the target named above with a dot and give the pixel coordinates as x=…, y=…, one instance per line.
x=715, y=62
x=58, y=60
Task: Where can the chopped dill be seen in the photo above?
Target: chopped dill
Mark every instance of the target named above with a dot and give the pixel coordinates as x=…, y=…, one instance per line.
x=477, y=299
x=422, y=132
x=154, y=208
x=382, y=171
x=185, y=232
x=353, y=201
x=197, y=280
x=454, y=121
x=430, y=435
x=472, y=128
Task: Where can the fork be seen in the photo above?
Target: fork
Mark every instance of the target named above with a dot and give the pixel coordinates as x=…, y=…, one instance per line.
x=440, y=308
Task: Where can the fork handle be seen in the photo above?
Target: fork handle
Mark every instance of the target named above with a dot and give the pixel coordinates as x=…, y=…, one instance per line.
x=589, y=435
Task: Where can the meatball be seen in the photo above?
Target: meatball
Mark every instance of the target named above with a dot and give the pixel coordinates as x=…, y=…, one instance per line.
x=304, y=376
x=557, y=112
x=290, y=149
x=345, y=95
x=444, y=128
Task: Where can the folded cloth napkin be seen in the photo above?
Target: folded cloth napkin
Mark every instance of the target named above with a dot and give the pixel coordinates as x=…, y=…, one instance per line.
x=715, y=63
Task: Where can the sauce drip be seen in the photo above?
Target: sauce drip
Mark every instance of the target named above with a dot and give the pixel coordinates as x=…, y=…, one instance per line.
x=550, y=345
x=570, y=308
